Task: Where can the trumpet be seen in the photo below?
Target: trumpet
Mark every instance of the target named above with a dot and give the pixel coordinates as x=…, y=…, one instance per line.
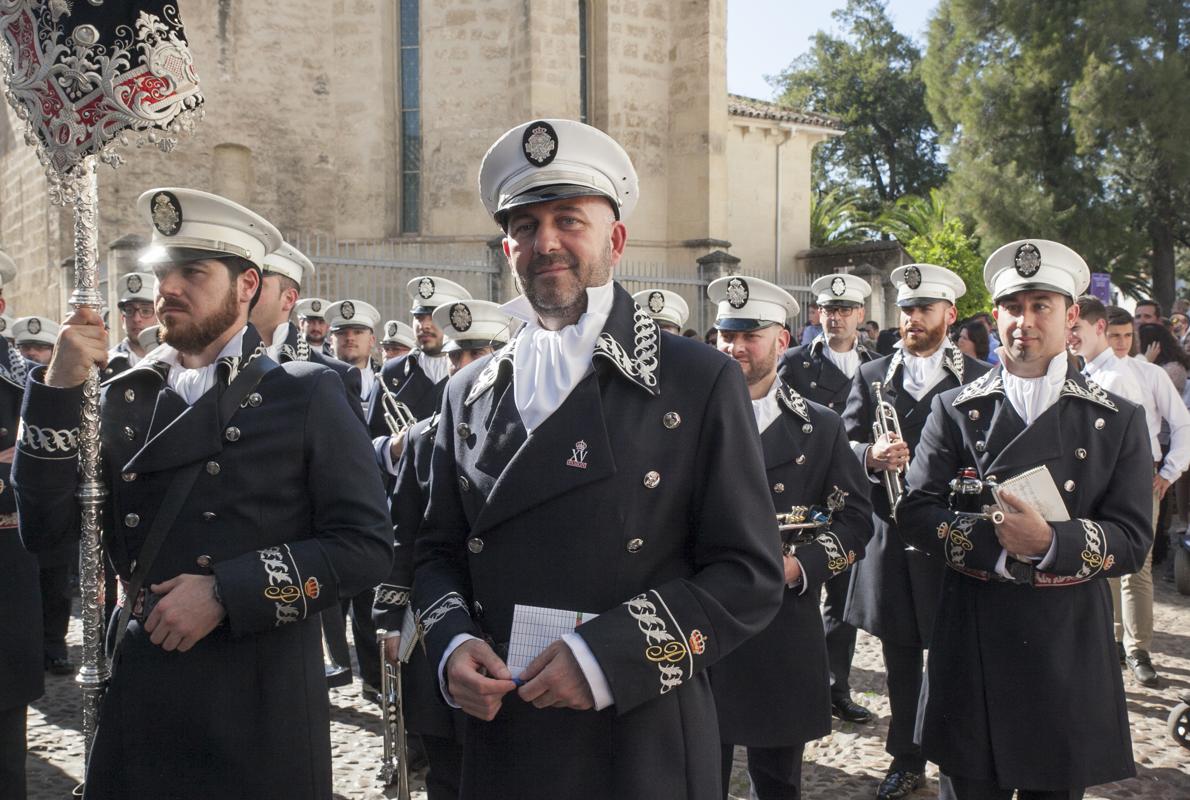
x=887, y=421
x=394, y=767
x=802, y=523
x=397, y=415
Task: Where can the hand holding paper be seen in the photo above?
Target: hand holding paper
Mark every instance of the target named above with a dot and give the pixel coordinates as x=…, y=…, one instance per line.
x=1024, y=532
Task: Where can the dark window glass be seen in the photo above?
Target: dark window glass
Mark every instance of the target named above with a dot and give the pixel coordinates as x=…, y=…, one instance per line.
x=582, y=60
x=410, y=208
x=410, y=103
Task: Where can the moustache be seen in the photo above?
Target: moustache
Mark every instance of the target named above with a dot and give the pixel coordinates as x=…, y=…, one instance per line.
x=552, y=260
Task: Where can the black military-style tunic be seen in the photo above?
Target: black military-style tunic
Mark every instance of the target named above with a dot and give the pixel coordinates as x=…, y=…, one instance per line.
x=894, y=592
x=616, y=504
x=425, y=710
x=118, y=360
x=815, y=377
x=1025, y=688
x=288, y=514
x=22, y=671
x=405, y=378
x=296, y=348
x=774, y=690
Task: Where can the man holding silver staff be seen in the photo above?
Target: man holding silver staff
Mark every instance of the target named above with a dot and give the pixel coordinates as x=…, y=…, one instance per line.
x=471, y=329
x=229, y=519
x=579, y=471
x=823, y=371
x=773, y=692
x=1024, y=689
x=894, y=590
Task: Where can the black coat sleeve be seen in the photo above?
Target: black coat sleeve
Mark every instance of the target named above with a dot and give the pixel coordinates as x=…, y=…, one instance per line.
x=407, y=510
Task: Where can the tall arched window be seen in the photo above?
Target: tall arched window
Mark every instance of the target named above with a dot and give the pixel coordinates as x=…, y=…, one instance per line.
x=410, y=101
x=584, y=61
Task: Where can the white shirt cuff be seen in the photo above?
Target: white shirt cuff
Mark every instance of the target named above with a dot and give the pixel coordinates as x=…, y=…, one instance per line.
x=800, y=583
x=384, y=443
x=600, y=689
x=450, y=648
x=1051, y=555
x=1001, y=570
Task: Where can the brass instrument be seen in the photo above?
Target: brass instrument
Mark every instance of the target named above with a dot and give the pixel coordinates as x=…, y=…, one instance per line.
x=887, y=421
x=395, y=766
x=802, y=523
x=966, y=489
x=396, y=414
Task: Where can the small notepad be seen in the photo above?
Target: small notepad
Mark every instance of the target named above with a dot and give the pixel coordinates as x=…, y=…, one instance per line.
x=535, y=628
x=1036, y=487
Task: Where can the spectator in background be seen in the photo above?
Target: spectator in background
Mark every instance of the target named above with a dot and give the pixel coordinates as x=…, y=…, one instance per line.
x=1148, y=312
x=886, y=342
x=870, y=331
x=813, y=328
x=972, y=339
x=1179, y=324
x=712, y=337
x=990, y=326
x=1161, y=348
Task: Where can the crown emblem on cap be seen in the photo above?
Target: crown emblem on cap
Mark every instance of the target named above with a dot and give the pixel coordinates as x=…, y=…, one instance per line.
x=425, y=288
x=135, y=283
x=3, y=324
x=167, y=213
x=347, y=310
x=34, y=326
x=460, y=317
x=656, y=302
x=1027, y=260
x=737, y=292
x=838, y=287
x=316, y=305
x=541, y=143
x=912, y=277
x=390, y=329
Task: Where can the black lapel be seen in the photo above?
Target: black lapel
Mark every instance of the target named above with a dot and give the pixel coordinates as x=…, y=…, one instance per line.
x=505, y=432
x=779, y=443
x=180, y=438
x=1034, y=445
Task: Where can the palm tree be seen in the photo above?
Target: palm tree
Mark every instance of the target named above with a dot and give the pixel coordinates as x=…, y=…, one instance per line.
x=912, y=216
x=836, y=219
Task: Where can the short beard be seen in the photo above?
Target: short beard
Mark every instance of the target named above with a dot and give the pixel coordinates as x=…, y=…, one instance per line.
x=760, y=371
x=933, y=339
x=568, y=308
x=195, y=337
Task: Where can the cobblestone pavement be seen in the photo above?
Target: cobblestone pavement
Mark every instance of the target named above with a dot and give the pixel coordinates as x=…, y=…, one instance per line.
x=847, y=765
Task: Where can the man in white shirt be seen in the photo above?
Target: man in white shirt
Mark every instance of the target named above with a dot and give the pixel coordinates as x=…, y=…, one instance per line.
x=1133, y=594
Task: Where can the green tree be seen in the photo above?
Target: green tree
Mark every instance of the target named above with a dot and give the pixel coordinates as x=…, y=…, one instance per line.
x=952, y=247
x=912, y=217
x=1066, y=120
x=871, y=81
x=836, y=219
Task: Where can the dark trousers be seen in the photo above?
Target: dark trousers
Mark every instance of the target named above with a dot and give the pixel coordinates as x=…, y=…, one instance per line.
x=446, y=766
x=775, y=772
x=334, y=635
x=954, y=787
x=364, y=632
x=840, y=636
x=903, y=672
x=12, y=753
x=55, y=608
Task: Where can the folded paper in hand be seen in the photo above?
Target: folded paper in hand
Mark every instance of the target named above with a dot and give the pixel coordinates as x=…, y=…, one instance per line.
x=1036, y=488
x=535, y=628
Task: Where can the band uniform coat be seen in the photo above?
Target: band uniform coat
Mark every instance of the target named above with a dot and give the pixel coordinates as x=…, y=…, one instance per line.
x=1025, y=686
x=641, y=498
x=815, y=377
x=287, y=512
x=774, y=690
x=894, y=591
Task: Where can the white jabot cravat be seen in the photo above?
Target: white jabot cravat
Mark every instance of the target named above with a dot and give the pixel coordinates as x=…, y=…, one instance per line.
x=766, y=409
x=847, y=362
x=1031, y=397
x=436, y=368
x=192, y=384
x=548, y=365
x=922, y=373
x=367, y=381
x=279, y=337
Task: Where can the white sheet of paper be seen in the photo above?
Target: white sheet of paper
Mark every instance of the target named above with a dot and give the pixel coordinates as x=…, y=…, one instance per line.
x=534, y=629
x=1037, y=488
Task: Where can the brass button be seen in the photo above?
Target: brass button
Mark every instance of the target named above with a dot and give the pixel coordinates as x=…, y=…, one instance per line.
x=807, y=428
x=232, y=434
x=652, y=479
x=671, y=420
x=203, y=561
x=129, y=433
x=129, y=395
x=463, y=430
x=132, y=520
x=254, y=399
x=1080, y=454
x=778, y=488
x=208, y=516
x=464, y=484
x=1068, y=486
x=973, y=415
x=980, y=446
x=475, y=545
x=1099, y=423
x=213, y=468
x=800, y=459
x=128, y=477
x=635, y=545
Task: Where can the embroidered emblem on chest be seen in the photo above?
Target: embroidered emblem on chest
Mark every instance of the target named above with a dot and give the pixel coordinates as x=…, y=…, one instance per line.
x=578, y=455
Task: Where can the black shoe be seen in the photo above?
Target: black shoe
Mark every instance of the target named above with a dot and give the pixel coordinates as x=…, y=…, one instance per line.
x=337, y=676
x=1123, y=655
x=898, y=783
x=372, y=694
x=849, y=711
x=1142, y=668
x=59, y=666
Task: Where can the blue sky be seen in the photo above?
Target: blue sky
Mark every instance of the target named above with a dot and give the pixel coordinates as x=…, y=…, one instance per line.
x=763, y=36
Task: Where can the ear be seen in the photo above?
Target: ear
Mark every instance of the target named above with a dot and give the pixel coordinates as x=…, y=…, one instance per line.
x=289, y=299
x=247, y=282
x=1072, y=317
x=952, y=314
x=619, y=240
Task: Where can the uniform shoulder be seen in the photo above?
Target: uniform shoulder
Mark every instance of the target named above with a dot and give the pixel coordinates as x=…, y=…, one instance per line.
x=877, y=367
x=303, y=370
x=799, y=353
x=680, y=354
x=395, y=367
x=330, y=362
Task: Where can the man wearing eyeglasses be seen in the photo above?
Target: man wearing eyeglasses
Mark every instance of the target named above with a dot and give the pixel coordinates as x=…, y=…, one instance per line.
x=823, y=371
x=136, y=312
